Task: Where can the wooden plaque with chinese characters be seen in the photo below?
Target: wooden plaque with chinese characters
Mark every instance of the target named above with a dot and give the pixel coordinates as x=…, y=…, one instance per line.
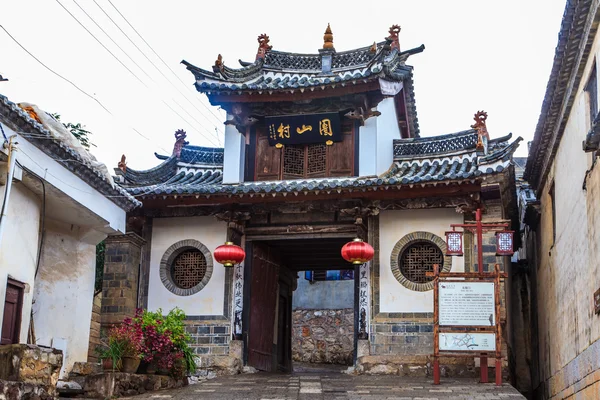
x=298, y=161
x=303, y=129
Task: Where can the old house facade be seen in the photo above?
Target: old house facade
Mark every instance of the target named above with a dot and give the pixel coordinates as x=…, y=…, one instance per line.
x=60, y=204
x=319, y=149
x=561, y=217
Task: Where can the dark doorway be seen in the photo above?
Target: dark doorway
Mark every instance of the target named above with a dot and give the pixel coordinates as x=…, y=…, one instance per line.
x=273, y=272
x=13, y=307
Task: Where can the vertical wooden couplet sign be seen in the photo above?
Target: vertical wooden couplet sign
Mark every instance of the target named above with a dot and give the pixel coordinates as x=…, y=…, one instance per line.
x=466, y=318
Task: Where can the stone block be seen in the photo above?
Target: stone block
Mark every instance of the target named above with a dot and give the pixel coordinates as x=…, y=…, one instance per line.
x=31, y=364
x=10, y=390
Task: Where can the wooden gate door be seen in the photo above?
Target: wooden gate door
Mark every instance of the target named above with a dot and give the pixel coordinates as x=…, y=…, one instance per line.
x=13, y=306
x=263, y=301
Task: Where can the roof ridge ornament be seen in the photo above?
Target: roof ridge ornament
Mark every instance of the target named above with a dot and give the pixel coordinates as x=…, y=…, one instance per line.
x=263, y=46
x=394, y=31
x=122, y=165
x=328, y=38
x=482, y=133
x=180, y=141
x=219, y=66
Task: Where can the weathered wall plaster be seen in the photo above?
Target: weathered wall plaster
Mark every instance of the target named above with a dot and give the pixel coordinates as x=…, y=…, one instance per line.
x=64, y=292
x=167, y=231
x=393, y=225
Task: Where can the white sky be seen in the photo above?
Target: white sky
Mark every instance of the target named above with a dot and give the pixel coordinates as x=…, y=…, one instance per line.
x=479, y=55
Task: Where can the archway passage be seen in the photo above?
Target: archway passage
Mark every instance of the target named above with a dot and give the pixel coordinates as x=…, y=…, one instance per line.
x=300, y=304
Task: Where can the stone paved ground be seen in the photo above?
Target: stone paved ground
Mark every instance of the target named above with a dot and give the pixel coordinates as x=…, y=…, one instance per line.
x=330, y=386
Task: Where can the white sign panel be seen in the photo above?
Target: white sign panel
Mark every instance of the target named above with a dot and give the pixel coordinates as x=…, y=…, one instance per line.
x=468, y=341
x=466, y=304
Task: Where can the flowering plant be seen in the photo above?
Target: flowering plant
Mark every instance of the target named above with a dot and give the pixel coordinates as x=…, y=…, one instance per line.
x=165, y=342
x=128, y=336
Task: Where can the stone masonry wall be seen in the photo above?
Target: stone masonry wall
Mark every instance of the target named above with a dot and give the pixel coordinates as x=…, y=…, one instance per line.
x=323, y=336
x=95, y=328
x=402, y=338
x=209, y=337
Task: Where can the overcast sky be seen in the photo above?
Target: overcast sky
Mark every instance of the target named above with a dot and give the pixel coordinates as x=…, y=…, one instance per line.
x=479, y=55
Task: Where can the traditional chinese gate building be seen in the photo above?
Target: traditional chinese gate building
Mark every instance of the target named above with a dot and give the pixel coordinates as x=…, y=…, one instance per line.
x=319, y=149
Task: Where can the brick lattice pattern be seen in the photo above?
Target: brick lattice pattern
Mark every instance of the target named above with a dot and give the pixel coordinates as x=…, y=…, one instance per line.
x=189, y=268
x=167, y=270
x=409, y=241
x=418, y=259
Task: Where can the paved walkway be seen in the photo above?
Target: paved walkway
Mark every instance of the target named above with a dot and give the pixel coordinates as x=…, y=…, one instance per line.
x=330, y=386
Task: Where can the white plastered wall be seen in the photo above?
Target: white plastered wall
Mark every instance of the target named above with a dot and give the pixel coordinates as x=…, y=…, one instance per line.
x=393, y=226
x=64, y=292
x=18, y=249
x=166, y=232
x=234, y=155
x=376, y=139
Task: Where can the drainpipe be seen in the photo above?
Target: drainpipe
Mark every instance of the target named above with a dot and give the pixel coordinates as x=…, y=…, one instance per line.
x=12, y=158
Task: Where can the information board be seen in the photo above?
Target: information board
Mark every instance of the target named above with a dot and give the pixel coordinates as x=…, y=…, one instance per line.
x=468, y=341
x=466, y=304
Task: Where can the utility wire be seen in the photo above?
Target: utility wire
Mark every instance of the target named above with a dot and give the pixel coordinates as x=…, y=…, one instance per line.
x=54, y=72
x=101, y=44
x=127, y=68
x=154, y=65
x=71, y=83
x=112, y=40
x=157, y=55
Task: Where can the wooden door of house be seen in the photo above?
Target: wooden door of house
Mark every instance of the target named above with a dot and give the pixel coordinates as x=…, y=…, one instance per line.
x=263, y=302
x=13, y=306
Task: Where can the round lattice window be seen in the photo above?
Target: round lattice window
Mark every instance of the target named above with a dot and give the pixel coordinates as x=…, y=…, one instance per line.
x=414, y=255
x=417, y=259
x=186, y=267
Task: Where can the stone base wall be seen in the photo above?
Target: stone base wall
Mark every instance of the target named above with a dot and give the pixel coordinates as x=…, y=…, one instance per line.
x=114, y=384
x=10, y=390
x=323, y=336
x=31, y=364
x=209, y=337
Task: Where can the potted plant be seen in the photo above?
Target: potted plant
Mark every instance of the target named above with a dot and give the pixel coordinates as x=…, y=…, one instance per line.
x=129, y=337
x=110, y=354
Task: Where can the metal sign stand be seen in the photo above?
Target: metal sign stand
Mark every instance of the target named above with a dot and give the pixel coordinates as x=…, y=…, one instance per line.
x=479, y=276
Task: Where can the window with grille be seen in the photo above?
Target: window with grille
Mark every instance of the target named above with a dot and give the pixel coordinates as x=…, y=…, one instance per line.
x=418, y=259
x=302, y=161
x=188, y=269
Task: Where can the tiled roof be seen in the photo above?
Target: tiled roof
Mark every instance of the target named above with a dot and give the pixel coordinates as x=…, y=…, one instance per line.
x=198, y=155
x=577, y=32
x=429, y=168
x=289, y=71
x=66, y=156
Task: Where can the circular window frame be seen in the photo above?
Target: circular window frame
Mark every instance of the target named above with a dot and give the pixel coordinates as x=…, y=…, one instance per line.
x=168, y=258
x=409, y=240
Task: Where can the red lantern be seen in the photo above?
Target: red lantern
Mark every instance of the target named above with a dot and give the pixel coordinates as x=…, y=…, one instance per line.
x=504, y=243
x=454, y=243
x=357, y=252
x=229, y=254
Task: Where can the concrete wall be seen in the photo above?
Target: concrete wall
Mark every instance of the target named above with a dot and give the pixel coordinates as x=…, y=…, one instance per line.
x=328, y=295
x=64, y=292
x=568, y=272
x=166, y=232
x=19, y=246
x=393, y=225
